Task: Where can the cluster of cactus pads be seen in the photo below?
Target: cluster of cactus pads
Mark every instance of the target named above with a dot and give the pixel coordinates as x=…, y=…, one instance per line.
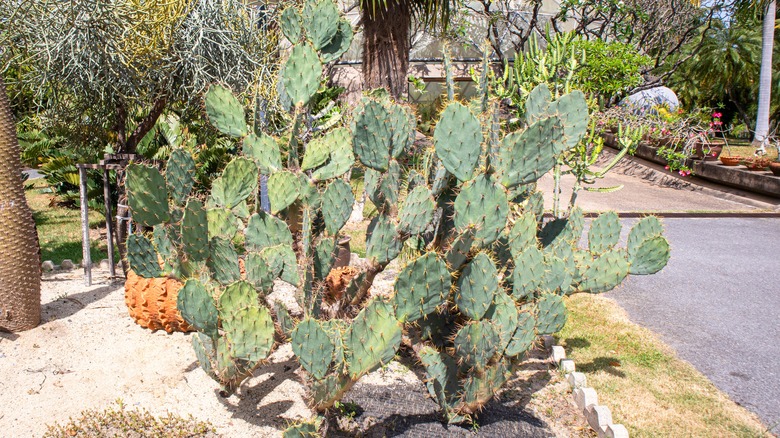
x=487, y=273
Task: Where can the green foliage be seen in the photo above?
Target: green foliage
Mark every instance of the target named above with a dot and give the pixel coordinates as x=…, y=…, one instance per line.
x=486, y=282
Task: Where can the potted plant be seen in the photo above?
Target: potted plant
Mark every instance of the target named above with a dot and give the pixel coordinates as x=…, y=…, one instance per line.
x=756, y=163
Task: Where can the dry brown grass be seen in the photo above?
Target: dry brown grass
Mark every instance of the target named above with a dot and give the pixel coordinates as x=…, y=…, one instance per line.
x=649, y=390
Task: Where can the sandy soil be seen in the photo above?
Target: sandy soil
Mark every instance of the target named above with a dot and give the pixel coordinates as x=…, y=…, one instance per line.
x=87, y=353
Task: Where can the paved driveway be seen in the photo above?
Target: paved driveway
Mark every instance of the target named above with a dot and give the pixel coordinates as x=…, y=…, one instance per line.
x=718, y=304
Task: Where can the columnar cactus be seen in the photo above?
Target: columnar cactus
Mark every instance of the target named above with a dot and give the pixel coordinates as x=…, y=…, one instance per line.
x=487, y=275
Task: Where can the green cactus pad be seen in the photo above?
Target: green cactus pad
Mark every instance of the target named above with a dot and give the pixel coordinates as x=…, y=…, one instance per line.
x=604, y=233
x=306, y=429
x=221, y=223
x=528, y=274
x=556, y=232
x=281, y=260
x=476, y=343
x=503, y=313
x=605, y=273
x=483, y=204
x=337, y=202
x=147, y=195
x=476, y=286
x=250, y=332
x=537, y=104
x=536, y=205
x=223, y=261
x=339, y=44
x=237, y=296
x=524, y=335
x=313, y=347
x=572, y=109
x=301, y=74
x=417, y=211
x=383, y=188
x=264, y=230
x=458, y=140
x=555, y=277
x=290, y=20
x=166, y=249
x=372, y=339
x=180, y=175
x=197, y=307
x=526, y=156
x=523, y=233
x=441, y=179
x=382, y=242
x=576, y=222
x=647, y=228
x=402, y=124
x=420, y=287
x=323, y=23
x=341, y=156
x=194, y=231
x=310, y=196
x=264, y=151
x=442, y=375
x=142, y=257
x=650, y=257
x=238, y=181
x=373, y=138
x=550, y=314
x=317, y=152
x=258, y=273
x=283, y=190
x=336, y=329
x=324, y=256
x=460, y=248
x=225, y=112
x=284, y=321
x=479, y=388
x=330, y=389
x=204, y=351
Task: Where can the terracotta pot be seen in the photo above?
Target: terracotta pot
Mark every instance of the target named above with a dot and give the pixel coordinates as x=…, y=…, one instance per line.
x=730, y=161
x=774, y=166
x=756, y=164
x=344, y=253
x=152, y=303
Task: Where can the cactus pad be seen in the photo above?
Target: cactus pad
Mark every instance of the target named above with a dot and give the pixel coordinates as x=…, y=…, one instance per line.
x=458, y=140
x=650, y=256
x=372, y=339
x=313, y=347
x=524, y=335
x=604, y=233
x=372, y=136
x=476, y=287
x=605, y=273
x=323, y=23
x=147, y=195
x=250, y=332
x=258, y=273
x=290, y=20
x=194, y=231
x=221, y=223
x=301, y=74
x=264, y=230
x=142, y=257
x=264, y=150
x=383, y=188
x=420, y=287
x=382, y=242
x=417, y=211
x=503, y=313
x=526, y=156
x=238, y=181
x=528, y=274
x=283, y=190
x=197, y=307
x=225, y=112
x=537, y=104
x=223, y=261
x=180, y=175
x=337, y=202
x=482, y=204
x=476, y=343
x=339, y=143
x=339, y=44
x=550, y=314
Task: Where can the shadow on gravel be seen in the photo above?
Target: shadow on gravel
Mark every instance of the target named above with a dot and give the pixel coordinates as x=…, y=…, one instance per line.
x=252, y=394
x=65, y=306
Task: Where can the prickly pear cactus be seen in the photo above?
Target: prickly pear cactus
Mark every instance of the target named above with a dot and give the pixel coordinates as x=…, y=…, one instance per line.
x=486, y=275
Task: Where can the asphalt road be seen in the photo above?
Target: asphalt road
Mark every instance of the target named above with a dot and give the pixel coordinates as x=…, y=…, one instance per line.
x=717, y=303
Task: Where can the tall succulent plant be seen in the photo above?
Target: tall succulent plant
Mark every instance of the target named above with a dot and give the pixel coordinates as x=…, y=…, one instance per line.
x=490, y=274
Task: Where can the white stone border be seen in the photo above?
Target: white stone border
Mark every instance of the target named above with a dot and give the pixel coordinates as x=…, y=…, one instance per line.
x=67, y=264
x=599, y=417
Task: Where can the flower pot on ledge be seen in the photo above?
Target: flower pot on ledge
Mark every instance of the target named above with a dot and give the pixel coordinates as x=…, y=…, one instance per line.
x=774, y=166
x=731, y=161
x=708, y=151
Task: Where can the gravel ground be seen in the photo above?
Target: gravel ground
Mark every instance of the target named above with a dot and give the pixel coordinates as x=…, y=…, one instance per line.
x=87, y=354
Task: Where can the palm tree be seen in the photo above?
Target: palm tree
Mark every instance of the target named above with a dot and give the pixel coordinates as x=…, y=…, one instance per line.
x=20, y=264
x=765, y=78
x=386, y=41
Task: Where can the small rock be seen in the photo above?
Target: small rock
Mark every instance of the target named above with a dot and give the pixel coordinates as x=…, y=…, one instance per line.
x=67, y=264
x=567, y=366
x=577, y=380
x=549, y=341
x=585, y=397
x=104, y=264
x=558, y=354
x=616, y=431
x=48, y=266
x=599, y=417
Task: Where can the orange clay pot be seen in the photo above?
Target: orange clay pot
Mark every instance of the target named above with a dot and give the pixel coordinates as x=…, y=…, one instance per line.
x=152, y=303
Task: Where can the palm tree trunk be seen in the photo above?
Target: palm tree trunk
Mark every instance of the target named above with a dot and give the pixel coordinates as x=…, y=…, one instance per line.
x=386, y=47
x=20, y=263
x=765, y=79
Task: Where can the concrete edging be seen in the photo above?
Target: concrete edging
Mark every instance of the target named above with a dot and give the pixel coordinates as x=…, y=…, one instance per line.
x=599, y=417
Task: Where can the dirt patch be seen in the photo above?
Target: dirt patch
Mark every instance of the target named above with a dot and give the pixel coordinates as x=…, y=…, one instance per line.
x=88, y=353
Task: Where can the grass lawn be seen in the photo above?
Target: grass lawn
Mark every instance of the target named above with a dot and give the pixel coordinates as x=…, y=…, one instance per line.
x=742, y=148
x=648, y=389
x=59, y=228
